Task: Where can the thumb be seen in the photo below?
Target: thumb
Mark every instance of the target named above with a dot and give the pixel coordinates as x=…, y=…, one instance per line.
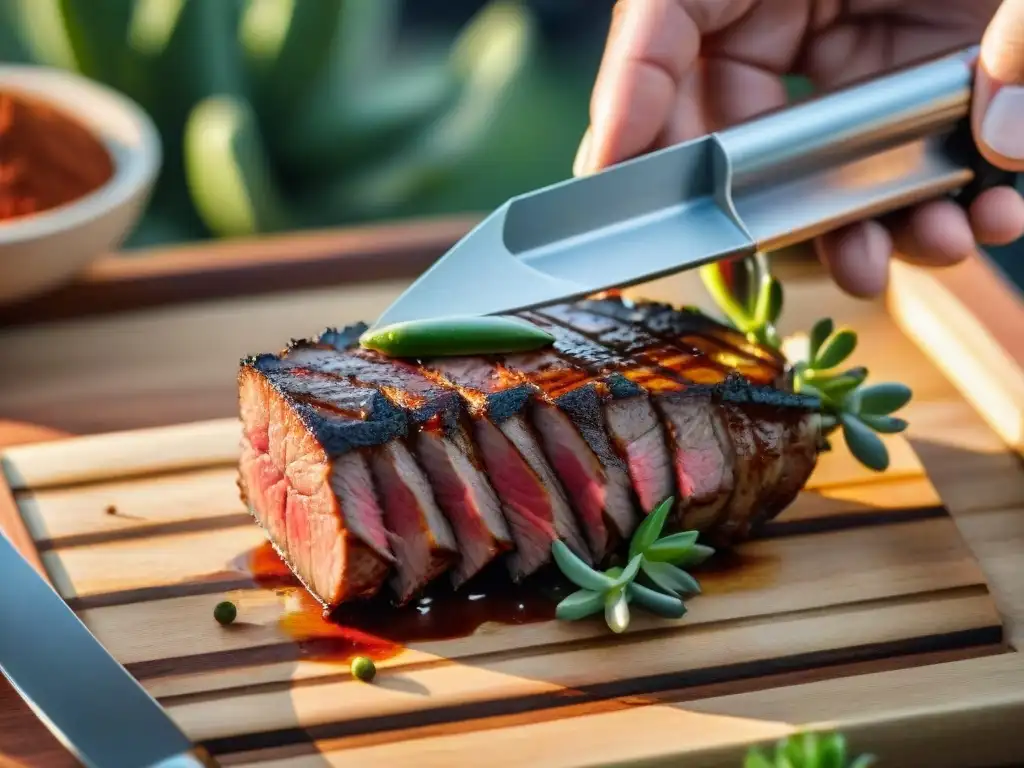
x=997, y=115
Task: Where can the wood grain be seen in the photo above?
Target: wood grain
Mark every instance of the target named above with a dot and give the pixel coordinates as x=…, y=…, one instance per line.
x=862, y=567
x=164, y=365
x=968, y=319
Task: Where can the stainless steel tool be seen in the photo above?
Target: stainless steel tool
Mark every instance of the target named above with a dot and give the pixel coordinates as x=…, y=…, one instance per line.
x=97, y=710
x=780, y=179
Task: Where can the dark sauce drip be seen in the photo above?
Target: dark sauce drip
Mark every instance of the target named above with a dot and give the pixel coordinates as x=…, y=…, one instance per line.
x=381, y=630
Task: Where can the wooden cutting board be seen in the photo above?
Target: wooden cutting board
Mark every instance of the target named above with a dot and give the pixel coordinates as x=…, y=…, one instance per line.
x=863, y=609
x=139, y=531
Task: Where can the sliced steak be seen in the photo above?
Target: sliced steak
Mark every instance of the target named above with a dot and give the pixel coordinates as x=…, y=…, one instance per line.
x=801, y=438
x=360, y=466
x=732, y=432
x=306, y=478
x=444, y=450
x=515, y=460
x=637, y=433
x=773, y=431
x=699, y=449
x=564, y=394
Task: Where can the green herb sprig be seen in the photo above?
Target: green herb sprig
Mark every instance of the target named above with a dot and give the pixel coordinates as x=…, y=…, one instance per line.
x=757, y=311
x=657, y=561
x=861, y=412
x=808, y=750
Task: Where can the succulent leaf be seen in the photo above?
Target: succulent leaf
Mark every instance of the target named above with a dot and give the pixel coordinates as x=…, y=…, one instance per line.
x=339, y=124
x=228, y=171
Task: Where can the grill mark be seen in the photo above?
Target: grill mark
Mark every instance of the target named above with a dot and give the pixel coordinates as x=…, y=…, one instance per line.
x=653, y=368
x=630, y=338
x=693, y=322
x=735, y=386
x=429, y=403
x=219, y=582
x=702, y=327
x=340, y=419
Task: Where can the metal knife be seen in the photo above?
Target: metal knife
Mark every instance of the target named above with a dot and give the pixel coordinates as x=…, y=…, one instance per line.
x=97, y=710
x=777, y=180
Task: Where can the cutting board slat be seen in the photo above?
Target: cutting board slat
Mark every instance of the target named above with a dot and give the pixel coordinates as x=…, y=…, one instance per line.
x=783, y=576
x=673, y=729
x=861, y=566
x=635, y=664
x=106, y=511
x=117, y=455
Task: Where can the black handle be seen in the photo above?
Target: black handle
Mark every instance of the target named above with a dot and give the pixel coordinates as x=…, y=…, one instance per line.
x=986, y=176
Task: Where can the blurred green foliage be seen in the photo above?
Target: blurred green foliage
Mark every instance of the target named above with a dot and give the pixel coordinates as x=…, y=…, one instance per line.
x=808, y=750
x=284, y=114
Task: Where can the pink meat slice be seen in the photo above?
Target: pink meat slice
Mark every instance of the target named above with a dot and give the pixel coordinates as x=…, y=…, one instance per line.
x=308, y=483
x=472, y=512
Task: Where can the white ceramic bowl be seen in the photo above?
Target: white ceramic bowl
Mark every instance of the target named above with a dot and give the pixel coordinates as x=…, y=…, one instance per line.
x=47, y=249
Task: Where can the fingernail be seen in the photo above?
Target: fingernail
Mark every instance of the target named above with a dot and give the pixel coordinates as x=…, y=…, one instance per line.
x=1002, y=127
x=579, y=165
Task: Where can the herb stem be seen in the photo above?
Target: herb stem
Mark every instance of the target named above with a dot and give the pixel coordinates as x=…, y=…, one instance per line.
x=716, y=284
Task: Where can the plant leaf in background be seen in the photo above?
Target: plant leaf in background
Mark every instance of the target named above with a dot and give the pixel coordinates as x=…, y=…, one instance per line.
x=808, y=750
x=486, y=59
x=282, y=114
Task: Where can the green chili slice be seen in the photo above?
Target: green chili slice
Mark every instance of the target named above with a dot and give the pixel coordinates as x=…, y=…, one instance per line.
x=442, y=337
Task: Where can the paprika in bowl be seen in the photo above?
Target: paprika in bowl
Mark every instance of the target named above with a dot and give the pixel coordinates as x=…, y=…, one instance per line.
x=77, y=164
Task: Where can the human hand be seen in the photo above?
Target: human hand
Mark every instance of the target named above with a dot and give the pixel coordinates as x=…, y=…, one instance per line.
x=677, y=69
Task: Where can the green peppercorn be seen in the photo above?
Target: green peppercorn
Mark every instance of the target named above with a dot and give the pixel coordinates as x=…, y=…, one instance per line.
x=457, y=336
x=363, y=668
x=225, y=612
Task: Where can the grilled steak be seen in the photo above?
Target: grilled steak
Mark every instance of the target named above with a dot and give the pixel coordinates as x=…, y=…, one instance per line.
x=361, y=467
x=441, y=443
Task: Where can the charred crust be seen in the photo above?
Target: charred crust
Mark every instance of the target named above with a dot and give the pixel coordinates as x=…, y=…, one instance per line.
x=503, y=405
x=669, y=322
x=583, y=407
x=338, y=435
x=366, y=369
x=735, y=389
x=343, y=339
x=381, y=420
x=253, y=361
x=331, y=337
x=621, y=388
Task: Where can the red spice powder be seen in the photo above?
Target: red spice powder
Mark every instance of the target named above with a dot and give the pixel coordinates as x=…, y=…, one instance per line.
x=47, y=158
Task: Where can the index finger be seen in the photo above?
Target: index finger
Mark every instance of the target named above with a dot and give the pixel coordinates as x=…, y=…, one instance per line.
x=652, y=47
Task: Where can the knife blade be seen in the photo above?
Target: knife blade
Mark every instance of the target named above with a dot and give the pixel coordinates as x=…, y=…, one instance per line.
x=779, y=179
x=94, y=707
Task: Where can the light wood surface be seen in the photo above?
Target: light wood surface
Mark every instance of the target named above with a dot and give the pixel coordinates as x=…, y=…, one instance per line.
x=970, y=322
x=145, y=580
x=245, y=267
x=879, y=574
x=159, y=361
